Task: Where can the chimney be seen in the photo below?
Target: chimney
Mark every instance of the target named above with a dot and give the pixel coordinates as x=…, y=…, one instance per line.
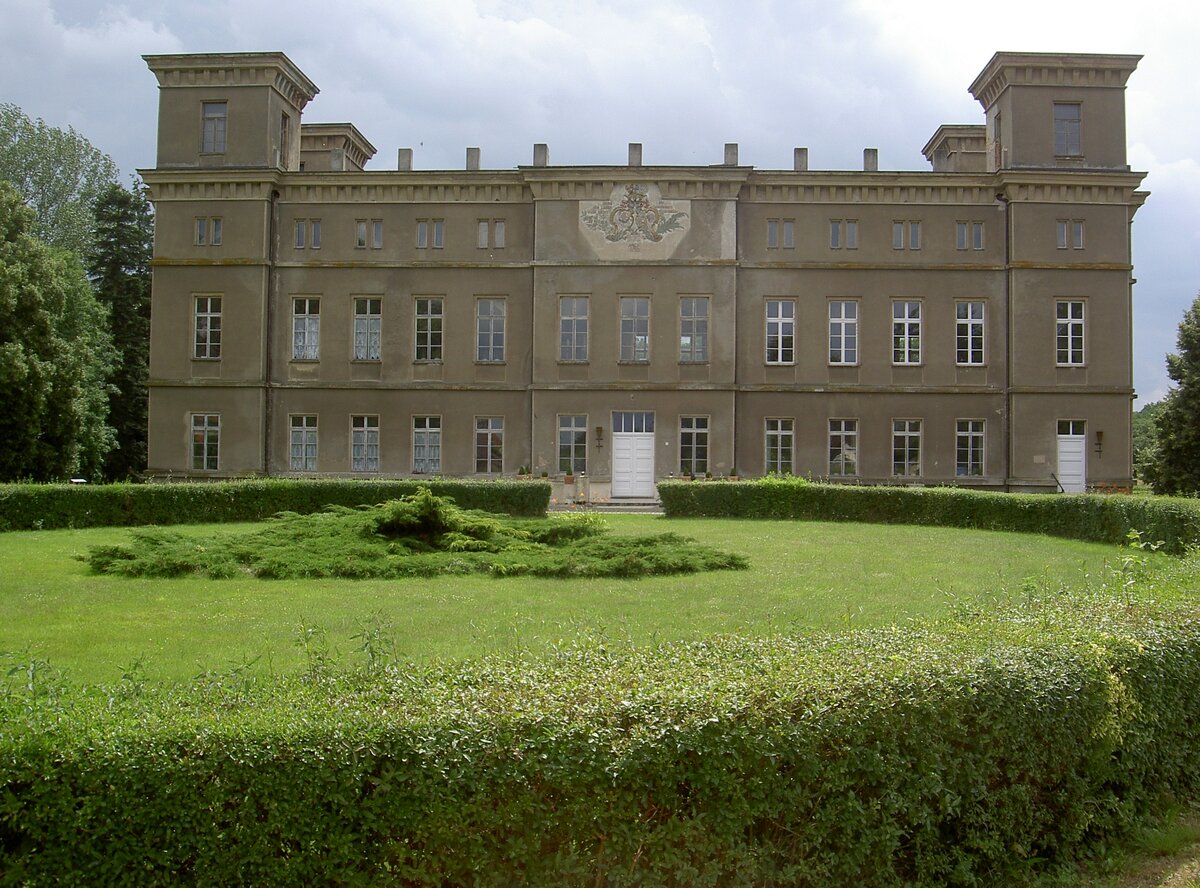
x=870, y=160
x=472, y=158
x=635, y=154
x=731, y=151
x=404, y=160
x=800, y=160
x=541, y=154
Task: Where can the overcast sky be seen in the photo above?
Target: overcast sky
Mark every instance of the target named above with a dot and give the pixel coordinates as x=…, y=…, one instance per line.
x=683, y=78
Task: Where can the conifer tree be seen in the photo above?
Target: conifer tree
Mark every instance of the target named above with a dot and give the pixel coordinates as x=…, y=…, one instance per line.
x=1177, y=468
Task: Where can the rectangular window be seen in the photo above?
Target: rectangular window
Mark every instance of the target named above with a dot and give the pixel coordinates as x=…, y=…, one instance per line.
x=364, y=443
x=215, y=115
x=1069, y=234
x=439, y=234
x=693, y=445
x=368, y=328
x=208, y=231
x=968, y=235
x=315, y=226
x=772, y=234
x=572, y=445
x=207, y=343
x=906, y=448
x=976, y=235
x=968, y=333
x=635, y=328
x=906, y=332
x=305, y=227
x=376, y=234
x=427, y=445
x=301, y=234
x=779, y=440
x=968, y=448
x=1067, y=119
x=781, y=231
x=573, y=328
x=851, y=234
x=639, y=421
x=429, y=328
x=489, y=329
x=489, y=445
x=360, y=234
x=306, y=329
x=1069, y=333
x=1072, y=427
x=371, y=227
x=206, y=441
x=490, y=233
x=843, y=332
x=781, y=331
x=498, y=234
x=789, y=234
x=693, y=329
x=906, y=235
x=843, y=234
x=843, y=448
x=285, y=126
x=303, y=450
x=483, y=238
x=422, y=234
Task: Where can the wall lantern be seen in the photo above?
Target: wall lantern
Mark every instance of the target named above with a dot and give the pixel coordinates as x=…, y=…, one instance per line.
x=1099, y=442
x=599, y=436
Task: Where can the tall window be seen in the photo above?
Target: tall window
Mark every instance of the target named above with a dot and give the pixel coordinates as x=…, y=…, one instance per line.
x=843, y=332
x=779, y=440
x=573, y=328
x=693, y=329
x=843, y=447
x=1069, y=333
x=693, y=445
x=368, y=326
x=968, y=448
x=303, y=451
x=208, y=231
x=429, y=328
x=489, y=329
x=906, y=332
x=215, y=115
x=431, y=233
x=306, y=329
x=572, y=444
x=906, y=448
x=635, y=328
x=427, y=445
x=843, y=234
x=781, y=232
x=781, y=331
x=364, y=443
x=968, y=235
x=490, y=234
x=368, y=232
x=1067, y=118
x=489, y=444
x=906, y=235
x=968, y=332
x=206, y=440
x=207, y=344
x=308, y=234
x=1069, y=234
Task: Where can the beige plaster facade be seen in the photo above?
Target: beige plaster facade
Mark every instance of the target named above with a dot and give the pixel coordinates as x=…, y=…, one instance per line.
x=613, y=325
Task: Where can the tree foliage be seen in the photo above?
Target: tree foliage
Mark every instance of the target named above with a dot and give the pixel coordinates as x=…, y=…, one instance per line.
x=119, y=266
x=55, y=356
x=1177, y=468
x=59, y=173
x=1145, y=439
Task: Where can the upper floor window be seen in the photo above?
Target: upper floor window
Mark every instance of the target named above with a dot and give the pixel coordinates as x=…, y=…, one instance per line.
x=429, y=328
x=308, y=234
x=635, y=328
x=968, y=235
x=781, y=232
x=906, y=332
x=781, y=331
x=207, y=340
x=906, y=235
x=371, y=229
x=1069, y=333
x=573, y=328
x=489, y=328
x=490, y=234
x=306, y=329
x=843, y=234
x=214, y=115
x=208, y=231
x=431, y=233
x=843, y=332
x=968, y=332
x=368, y=326
x=1069, y=234
x=693, y=329
x=1067, y=118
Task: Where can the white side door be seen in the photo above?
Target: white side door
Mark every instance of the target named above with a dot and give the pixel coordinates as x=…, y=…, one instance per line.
x=1072, y=463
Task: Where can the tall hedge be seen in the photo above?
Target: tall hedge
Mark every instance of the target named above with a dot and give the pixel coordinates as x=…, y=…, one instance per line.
x=965, y=754
x=45, y=506
x=1092, y=517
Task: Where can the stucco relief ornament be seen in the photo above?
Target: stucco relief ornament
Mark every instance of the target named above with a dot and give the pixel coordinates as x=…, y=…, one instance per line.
x=632, y=219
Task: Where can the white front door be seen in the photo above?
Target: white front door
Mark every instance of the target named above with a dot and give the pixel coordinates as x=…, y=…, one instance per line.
x=1072, y=463
x=633, y=464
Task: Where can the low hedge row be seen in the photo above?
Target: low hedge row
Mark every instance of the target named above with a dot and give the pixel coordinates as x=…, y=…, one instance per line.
x=965, y=754
x=46, y=506
x=1092, y=517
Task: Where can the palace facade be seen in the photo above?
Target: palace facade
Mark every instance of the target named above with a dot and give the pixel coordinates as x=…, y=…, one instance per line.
x=613, y=325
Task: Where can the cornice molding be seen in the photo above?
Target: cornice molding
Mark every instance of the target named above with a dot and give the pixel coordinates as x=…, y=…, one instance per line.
x=1050, y=69
x=234, y=69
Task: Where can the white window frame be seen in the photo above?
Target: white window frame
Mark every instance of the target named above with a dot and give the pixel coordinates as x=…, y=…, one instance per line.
x=206, y=326
x=970, y=329
x=1068, y=130
x=780, y=329
x=779, y=440
x=214, y=127
x=969, y=448
x=693, y=329
x=490, y=316
x=1070, y=332
x=781, y=233
x=428, y=329
x=693, y=445
x=1069, y=234
x=572, y=443
x=302, y=442
x=906, y=448
x=490, y=234
x=427, y=445
x=306, y=328
x=364, y=443
x=206, y=442
x=428, y=227
x=635, y=329
x=208, y=231
x=368, y=328
x=906, y=332
x=968, y=235
x=906, y=234
x=843, y=332
x=843, y=448
x=843, y=234
x=573, y=328
x=489, y=445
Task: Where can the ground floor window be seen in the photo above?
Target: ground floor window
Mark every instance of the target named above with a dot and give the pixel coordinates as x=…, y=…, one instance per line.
x=968, y=460
x=206, y=440
x=303, y=451
x=427, y=445
x=843, y=447
x=693, y=445
x=906, y=448
x=364, y=443
x=489, y=444
x=572, y=444
x=779, y=437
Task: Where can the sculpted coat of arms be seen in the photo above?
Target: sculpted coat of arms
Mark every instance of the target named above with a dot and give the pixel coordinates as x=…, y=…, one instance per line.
x=635, y=219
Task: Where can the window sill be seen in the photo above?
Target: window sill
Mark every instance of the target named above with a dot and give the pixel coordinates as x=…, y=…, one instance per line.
x=703, y=363
x=428, y=361
x=967, y=366
x=482, y=363
x=200, y=360
x=779, y=363
x=583, y=362
x=295, y=360
x=633, y=363
x=843, y=363
x=369, y=361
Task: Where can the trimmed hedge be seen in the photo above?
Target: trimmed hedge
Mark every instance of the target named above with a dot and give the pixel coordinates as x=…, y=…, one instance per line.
x=46, y=506
x=1098, y=518
x=965, y=754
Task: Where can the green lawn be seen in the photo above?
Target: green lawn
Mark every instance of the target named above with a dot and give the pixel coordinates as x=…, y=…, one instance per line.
x=803, y=577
